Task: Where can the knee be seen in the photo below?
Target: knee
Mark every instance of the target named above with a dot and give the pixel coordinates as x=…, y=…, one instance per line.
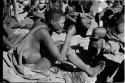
x=71, y=53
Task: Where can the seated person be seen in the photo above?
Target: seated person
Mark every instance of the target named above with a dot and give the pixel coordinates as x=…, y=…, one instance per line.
x=97, y=41
x=38, y=47
x=116, y=37
x=112, y=46
x=99, y=44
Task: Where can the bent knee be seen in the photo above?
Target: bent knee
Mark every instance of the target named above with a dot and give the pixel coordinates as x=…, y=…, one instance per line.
x=71, y=53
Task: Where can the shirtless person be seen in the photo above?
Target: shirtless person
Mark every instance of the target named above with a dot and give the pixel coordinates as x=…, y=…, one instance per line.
x=38, y=46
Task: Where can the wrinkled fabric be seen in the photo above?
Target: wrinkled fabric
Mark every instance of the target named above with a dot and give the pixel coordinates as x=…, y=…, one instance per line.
x=115, y=55
x=50, y=75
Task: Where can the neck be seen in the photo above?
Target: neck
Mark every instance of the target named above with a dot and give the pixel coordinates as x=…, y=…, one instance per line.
x=50, y=29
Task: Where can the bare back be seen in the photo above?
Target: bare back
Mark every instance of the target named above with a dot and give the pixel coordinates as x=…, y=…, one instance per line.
x=29, y=48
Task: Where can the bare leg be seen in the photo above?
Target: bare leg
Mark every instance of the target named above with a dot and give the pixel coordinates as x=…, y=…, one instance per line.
x=91, y=71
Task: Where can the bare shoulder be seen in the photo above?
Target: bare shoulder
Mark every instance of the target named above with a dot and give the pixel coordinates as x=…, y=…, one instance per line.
x=38, y=22
x=42, y=33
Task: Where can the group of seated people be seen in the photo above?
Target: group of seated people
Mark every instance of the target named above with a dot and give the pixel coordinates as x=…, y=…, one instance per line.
x=38, y=47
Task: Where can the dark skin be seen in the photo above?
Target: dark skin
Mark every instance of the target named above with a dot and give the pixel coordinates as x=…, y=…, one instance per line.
x=43, y=35
x=96, y=40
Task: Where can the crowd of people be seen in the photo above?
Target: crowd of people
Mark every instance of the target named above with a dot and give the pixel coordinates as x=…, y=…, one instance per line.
x=64, y=41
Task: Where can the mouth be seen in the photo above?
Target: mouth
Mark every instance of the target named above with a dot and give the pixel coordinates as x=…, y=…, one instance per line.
x=60, y=31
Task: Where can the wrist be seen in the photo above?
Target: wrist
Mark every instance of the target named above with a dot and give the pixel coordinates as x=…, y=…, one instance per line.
x=68, y=36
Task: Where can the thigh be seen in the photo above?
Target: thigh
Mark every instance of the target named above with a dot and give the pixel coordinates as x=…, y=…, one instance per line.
x=31, y=57
x=43, y=64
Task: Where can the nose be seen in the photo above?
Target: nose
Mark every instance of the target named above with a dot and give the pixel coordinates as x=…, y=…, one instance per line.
x=62, y=26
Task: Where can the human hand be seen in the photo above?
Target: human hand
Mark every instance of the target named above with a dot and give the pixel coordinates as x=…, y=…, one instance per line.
x=71, y=30
x=59, y=43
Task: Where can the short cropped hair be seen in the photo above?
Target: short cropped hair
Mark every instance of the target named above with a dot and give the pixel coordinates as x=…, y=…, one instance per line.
x=53, y=14
x=101, y=31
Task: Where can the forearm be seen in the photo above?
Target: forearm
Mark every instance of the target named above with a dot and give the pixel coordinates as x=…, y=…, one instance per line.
x=72, y=19
x=65, y=47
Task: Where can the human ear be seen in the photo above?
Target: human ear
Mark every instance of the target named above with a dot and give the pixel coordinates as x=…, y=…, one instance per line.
x=53, y=22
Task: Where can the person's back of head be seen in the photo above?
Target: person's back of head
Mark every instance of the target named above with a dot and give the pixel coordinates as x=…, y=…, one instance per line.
x=99, y=32
x=53, y=15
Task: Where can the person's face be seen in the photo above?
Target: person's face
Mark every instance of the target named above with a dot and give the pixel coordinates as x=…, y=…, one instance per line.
x=59, y=25
x=56, y=5
x=86, y=22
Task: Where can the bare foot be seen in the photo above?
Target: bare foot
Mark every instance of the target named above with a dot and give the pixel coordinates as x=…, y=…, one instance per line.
x=94, y=71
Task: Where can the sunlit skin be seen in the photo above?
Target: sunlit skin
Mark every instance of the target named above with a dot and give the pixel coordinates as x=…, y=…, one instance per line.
x=96, y=41
x=58, y=26
x=42, y=37
x=86, y=22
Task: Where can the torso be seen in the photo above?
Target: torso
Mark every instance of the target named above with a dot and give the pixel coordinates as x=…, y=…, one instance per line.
x=34, y=54
x=31, y=48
